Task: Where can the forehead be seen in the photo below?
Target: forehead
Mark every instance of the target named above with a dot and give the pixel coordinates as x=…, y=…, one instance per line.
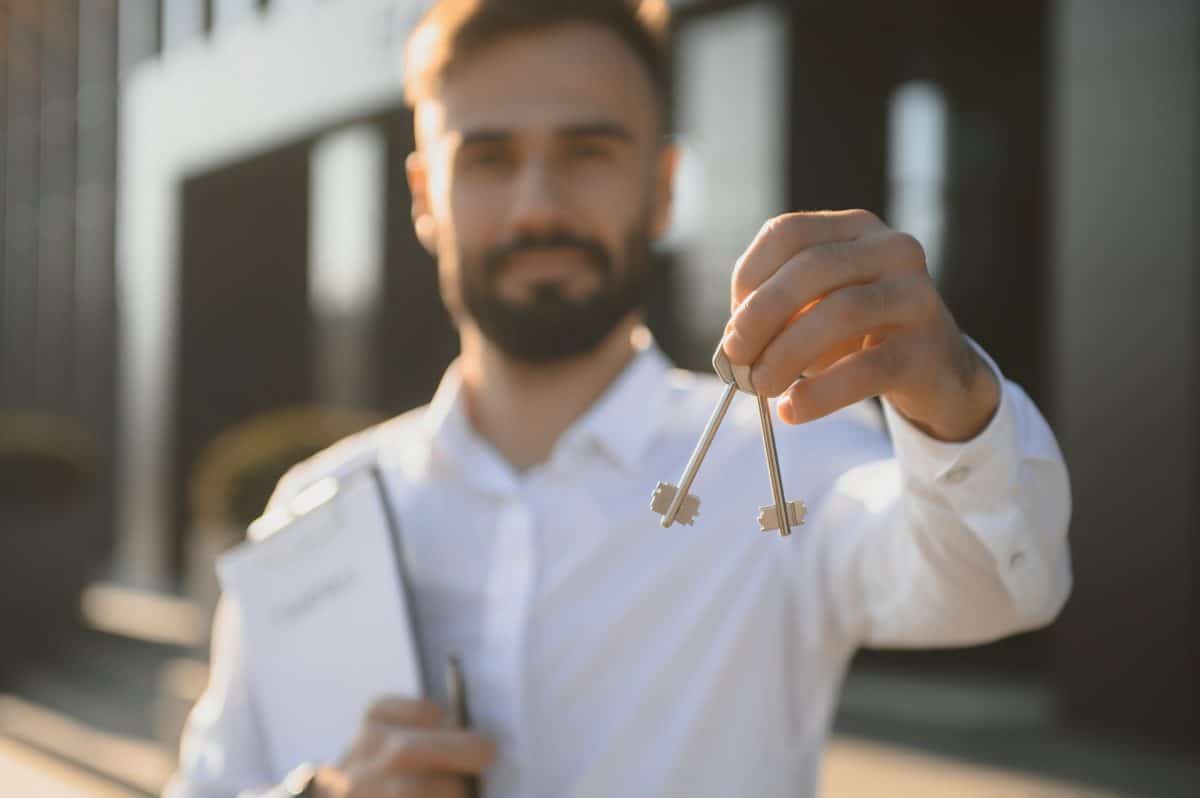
x=567, y=74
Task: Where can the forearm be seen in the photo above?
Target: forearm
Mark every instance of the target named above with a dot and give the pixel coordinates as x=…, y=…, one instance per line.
x=974, y=542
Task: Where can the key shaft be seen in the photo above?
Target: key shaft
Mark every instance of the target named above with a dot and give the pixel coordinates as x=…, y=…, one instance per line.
x=693, y=463
x=768, y=438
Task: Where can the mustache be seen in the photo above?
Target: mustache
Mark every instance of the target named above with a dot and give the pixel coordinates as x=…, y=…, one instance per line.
x=593, y=251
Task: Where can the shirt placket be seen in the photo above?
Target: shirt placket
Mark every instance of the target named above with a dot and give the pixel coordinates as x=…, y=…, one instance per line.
x=505, y=628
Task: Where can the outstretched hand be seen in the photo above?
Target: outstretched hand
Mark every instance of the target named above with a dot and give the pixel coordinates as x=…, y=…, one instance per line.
x=834, y=307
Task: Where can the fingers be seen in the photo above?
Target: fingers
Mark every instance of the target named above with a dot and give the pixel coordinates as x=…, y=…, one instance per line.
x=850, y=380
x=838, y=324
x=404, y=712
x=802, y=281
x=784, y=236
x=425, y=787
x=437, y=750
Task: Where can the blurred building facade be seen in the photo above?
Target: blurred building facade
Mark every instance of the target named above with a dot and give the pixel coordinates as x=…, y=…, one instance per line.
x=205, y=223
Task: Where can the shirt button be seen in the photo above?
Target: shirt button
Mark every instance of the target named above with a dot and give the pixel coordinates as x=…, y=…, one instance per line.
x=957, y=474
x=1016, y=560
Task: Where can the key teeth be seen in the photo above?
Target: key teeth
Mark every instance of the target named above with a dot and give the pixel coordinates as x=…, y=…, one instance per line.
x=768, y=518
x=660, y=502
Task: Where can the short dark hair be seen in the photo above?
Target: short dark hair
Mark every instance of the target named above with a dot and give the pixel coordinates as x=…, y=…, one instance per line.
x=454, y=30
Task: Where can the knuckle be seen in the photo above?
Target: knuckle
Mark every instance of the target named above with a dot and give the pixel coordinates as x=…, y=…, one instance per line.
x=781, y=226
x=774, y=225
x=378, y=709
x=909, y=251
x=403, y=751
x=757, y=305
x=740, y=282
x=865, y=217
x=428, y=711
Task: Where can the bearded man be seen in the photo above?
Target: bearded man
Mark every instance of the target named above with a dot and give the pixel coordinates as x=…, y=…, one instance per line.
x=606, y=655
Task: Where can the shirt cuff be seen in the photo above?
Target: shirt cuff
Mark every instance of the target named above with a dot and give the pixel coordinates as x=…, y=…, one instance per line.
x=990, y=458
x=979, y=481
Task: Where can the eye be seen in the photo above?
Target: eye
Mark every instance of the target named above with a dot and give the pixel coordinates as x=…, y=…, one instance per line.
x=487, y=158
x=589, y=151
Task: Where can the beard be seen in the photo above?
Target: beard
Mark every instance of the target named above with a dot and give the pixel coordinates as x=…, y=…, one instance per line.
x=551, y=326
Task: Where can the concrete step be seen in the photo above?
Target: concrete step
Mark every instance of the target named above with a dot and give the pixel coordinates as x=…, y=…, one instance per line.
x=106, y=708
x=991, y=724
x=26, y=771
x=65, y=751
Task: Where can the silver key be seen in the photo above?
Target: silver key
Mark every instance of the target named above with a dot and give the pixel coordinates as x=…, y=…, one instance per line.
x=769, y=516
x=674, y=503
x=782, y=515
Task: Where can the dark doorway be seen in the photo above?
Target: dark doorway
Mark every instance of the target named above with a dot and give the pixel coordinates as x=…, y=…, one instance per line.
x=989, y=63
x=245, y=330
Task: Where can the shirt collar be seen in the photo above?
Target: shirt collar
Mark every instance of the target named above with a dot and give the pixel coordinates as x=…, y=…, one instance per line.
x=622, y=422
x=625, y=418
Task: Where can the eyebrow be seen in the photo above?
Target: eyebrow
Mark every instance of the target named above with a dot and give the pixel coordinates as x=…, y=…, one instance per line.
x=609, y=130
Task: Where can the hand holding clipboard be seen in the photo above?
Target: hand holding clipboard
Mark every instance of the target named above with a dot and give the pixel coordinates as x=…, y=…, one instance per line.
x=318, y=680
x=404, y=743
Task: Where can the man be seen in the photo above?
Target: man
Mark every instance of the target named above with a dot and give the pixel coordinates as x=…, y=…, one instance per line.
x=606, y=655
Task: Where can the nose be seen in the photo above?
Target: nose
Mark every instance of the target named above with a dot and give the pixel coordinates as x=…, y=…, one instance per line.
x=537, y=201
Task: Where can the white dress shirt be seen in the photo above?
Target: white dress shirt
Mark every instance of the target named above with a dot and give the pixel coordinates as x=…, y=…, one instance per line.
x=608, y=656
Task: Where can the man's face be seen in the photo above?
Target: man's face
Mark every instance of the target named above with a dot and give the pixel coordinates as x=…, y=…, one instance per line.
x=539, y=182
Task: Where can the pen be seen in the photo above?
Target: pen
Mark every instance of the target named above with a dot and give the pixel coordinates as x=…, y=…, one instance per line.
x=456, y=693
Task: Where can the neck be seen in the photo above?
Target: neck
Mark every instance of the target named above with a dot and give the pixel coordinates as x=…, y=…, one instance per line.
x=522, y=408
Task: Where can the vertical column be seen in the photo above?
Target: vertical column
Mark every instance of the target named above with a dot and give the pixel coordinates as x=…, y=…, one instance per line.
x=54, y=356
x=22, y=157
x=732, y=66
x=143, y=335
x=138, y=31
x=227, y=14
x=346, y=260
x=917, y=125
x=95, y=224
x=183, y=21
x=5, y=58
x=1126, y=203
x=290, y=6
x=839, y=105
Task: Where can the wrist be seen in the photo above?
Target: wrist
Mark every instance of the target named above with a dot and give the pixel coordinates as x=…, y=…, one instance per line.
x=968, y=403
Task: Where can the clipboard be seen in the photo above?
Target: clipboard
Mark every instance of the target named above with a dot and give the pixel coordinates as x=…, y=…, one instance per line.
x=327, y=616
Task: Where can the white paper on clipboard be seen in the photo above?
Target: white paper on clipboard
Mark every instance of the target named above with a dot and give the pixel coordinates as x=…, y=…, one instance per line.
x=326, y=621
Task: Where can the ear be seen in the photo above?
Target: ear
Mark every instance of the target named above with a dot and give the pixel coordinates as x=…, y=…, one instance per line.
x=664, y=189
x=422, y=215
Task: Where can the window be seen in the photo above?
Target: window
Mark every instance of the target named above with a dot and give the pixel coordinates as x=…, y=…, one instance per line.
x=917, y=125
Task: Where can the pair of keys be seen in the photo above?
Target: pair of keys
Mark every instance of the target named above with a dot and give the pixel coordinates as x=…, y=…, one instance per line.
x=675, y=503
